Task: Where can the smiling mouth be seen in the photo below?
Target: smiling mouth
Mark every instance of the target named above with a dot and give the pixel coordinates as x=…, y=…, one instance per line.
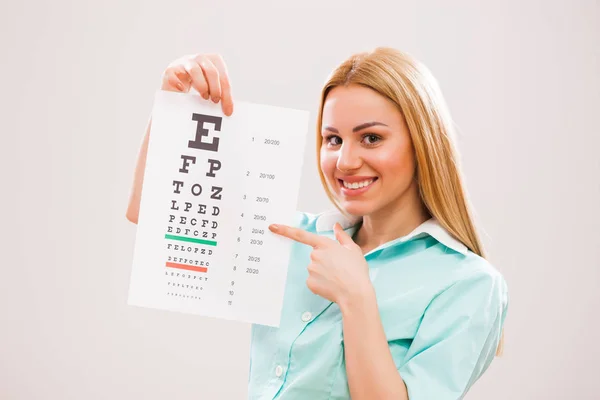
x=356, y=187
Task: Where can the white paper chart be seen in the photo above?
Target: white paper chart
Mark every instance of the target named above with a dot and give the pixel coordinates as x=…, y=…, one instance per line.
x=212, y=185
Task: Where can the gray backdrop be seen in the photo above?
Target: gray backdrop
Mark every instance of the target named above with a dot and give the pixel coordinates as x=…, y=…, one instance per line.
x=78, y=78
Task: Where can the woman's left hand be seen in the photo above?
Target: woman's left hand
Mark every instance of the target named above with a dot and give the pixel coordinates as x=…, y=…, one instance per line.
x=338, y=270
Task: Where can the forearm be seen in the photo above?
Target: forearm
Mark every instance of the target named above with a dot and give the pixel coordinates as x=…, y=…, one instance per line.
x=370, y=367
x=135, y=195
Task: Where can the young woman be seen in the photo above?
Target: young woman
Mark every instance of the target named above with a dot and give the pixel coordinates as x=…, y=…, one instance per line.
x=389, y=296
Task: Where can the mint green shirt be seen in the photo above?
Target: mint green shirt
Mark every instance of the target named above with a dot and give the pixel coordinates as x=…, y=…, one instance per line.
x=441, y=305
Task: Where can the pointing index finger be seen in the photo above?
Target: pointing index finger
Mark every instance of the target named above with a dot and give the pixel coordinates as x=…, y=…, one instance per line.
x=299, y=235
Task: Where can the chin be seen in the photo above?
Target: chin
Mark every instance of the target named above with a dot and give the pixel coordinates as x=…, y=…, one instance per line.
x=356, y=208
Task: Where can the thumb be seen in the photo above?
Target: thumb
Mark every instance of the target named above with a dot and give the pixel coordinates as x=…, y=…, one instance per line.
x=342, y=237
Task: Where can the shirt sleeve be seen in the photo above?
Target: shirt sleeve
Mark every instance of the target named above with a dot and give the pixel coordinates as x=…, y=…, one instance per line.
x=457, y=338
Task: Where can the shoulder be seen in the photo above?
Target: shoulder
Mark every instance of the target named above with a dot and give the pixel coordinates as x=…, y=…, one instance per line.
x=475, y=279
x=444, y=267
x=474, y=268
x=450, y=277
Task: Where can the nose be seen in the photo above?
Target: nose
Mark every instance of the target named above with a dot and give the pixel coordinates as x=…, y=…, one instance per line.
x=348, y=158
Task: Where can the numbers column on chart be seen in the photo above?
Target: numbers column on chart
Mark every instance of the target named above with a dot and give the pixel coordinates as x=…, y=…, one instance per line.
x=259, y=192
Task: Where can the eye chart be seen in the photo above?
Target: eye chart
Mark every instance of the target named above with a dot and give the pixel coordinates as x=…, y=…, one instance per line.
x=212, y=185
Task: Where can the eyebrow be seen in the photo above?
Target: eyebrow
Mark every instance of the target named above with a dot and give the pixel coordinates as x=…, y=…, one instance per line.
x=356, y=128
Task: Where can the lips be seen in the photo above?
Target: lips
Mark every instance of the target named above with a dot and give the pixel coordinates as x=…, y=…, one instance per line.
x=349, y=186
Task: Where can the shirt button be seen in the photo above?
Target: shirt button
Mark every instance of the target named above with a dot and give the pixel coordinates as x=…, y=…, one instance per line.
x=279, y=370
x=306, y=316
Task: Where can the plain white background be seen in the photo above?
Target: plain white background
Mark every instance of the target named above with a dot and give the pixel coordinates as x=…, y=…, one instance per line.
x=78, y=78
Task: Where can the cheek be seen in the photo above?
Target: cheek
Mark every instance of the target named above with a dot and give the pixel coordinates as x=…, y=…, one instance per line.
x=395, y=165
x=328, y=163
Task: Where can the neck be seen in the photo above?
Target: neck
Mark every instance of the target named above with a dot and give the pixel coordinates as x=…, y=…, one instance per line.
x=394, y=221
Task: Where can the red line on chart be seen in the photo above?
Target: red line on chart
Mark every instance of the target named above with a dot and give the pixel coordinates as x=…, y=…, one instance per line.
x=186, y=267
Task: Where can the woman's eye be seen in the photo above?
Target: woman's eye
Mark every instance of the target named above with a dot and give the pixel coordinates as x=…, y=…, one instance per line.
x=332, y=140
x=371, y=139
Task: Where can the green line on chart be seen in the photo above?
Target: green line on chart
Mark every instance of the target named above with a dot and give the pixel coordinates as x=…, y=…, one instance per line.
x=187, y=239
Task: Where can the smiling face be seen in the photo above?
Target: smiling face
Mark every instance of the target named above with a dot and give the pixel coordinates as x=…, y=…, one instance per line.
x=367, y=156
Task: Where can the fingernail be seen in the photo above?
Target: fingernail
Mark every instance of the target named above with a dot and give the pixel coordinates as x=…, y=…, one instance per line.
x=273, y=228
x=216, y=99
x=205, y=96
x=180, y=86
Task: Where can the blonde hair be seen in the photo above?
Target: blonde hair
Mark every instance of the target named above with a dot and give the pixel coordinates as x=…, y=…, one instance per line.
x=411, y=86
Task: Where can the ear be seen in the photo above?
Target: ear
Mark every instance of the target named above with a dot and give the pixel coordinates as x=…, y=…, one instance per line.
x=342, y=237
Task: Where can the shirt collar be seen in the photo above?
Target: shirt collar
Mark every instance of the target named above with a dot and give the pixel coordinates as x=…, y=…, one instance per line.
x=432, y=227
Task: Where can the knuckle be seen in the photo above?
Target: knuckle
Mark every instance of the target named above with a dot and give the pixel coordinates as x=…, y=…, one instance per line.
x=167, y=73
x=212, y=73
x=202, y=60
x=196, y=57
x=194, y=68
x=172, y=81
x=164, y=77
x=206, y=64
x=199, y=56
x=202, y=63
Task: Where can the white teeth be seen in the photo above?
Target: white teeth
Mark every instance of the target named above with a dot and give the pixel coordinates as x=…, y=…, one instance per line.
x=357, y=185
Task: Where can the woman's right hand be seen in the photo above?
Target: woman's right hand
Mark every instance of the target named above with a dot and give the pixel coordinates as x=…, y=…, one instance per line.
x=207, y=73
